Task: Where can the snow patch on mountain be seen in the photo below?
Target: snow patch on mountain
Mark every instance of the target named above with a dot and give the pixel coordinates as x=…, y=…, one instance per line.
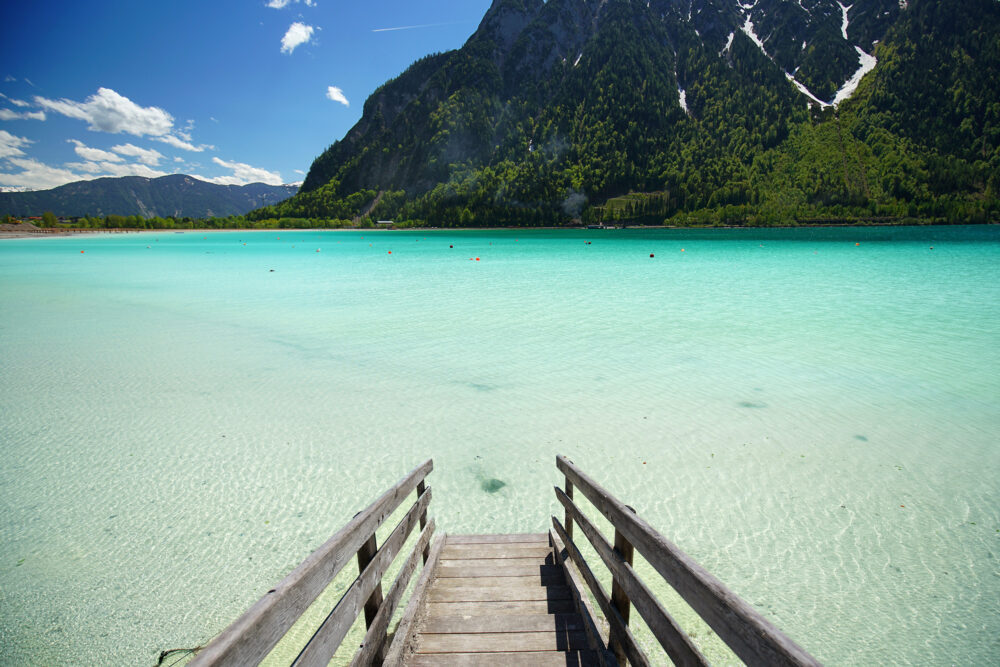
x=805, y=91
x=747, y=29
x=866, y=64
x=846, y=22
x=729, y=43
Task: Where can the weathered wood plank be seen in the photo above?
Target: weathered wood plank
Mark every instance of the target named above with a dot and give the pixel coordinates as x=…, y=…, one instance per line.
x=403, y=637
x=499, y=607
x=498, y=594
x=524, y=659
x=496, y=562
x=477, y=551
x=751, y=636
x=327, y=638
x=582, y=604
x=556, y=579
x=528, y=538
x=501, y=642
x=619, y=630
x=503, y=623
x=372, y=643
x=673, y=640
x=473, y=569
x=255, y=633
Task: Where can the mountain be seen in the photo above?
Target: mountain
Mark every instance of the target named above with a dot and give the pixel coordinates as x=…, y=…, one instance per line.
x=176, y=196
x=690, y=110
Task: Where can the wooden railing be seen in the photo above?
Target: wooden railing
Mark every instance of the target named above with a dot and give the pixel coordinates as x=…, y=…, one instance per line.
x=252, y=636
x=752, y=637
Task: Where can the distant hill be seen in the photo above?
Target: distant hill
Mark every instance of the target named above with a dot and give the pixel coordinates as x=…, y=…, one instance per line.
x=176, y=195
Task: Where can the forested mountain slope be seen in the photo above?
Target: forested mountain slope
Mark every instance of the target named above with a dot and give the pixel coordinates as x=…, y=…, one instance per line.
x=712, y=110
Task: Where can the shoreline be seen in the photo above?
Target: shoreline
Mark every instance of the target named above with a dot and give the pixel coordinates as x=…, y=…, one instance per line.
x=10, y=234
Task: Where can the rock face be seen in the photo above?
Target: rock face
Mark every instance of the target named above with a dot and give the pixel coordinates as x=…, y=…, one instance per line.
x=603, y=97
x=176, y=195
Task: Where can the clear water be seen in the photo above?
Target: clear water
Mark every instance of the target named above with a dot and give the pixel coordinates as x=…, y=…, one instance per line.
x=812, y=414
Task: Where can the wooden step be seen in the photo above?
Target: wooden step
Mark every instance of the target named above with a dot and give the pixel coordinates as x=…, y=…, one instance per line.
x=500, y=642
x=516, y=569
x=555, y=579
x=468, y=624
x=520, y=659
x=494, y=551
x=506, y=607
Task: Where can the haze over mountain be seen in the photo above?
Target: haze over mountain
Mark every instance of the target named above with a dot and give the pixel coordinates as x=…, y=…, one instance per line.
x=176, y=196
x=765, y=112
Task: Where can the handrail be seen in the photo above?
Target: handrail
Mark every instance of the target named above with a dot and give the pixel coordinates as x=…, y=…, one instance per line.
x=752, y=637
x=252, y=636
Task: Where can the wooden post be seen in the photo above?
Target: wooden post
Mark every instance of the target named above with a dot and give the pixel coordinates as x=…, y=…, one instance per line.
x=365, y=555
x=423, y=517
x=568, y=519
x=619, y=598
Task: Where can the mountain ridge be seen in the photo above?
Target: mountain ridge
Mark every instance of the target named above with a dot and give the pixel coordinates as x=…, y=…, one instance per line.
x=174, y=195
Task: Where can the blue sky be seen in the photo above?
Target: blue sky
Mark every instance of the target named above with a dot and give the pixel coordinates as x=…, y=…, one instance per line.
x=232, y=91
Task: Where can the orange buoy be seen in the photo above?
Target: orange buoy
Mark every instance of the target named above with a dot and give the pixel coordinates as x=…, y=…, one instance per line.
x=477, y=259
x=81, y=252
x=390, y=252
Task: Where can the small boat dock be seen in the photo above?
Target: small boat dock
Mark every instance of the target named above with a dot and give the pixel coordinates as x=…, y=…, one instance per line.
x=515, y=599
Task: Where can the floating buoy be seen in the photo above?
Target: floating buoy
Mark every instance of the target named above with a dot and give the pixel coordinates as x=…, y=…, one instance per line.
x=477, y=259
x=390, y=252
x=650, y=254
x=81, y=252
x=317, y=249
x=857, y=244
x=682, y=249
x=272, y=270
x=451, y=246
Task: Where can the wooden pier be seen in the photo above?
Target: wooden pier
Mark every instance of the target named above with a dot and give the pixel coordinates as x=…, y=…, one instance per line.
x=519, y=599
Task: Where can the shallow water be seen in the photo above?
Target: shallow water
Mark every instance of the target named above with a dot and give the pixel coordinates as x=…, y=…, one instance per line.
x=812, y=414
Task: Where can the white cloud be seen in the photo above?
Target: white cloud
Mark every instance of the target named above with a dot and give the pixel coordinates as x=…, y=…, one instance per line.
x=298, y=34
x=37, y=175
x=7, y=114
x=107, y=111
x=299, y=171
x=89, y=167
x=178, y=160
x=145, y=155
x=337, y=95
x=171, y=140
x=94, y=154
x=9, y=79
x=10, y=145
x=281, y=4
x=112, y=169
x=17, y=103
x=243, y=174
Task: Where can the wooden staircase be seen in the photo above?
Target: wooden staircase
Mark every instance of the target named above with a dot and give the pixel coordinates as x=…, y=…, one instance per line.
x=520, y=599
x=498, y=600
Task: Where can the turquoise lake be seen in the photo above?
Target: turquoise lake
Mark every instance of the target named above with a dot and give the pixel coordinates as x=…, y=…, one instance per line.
x=813, y=414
